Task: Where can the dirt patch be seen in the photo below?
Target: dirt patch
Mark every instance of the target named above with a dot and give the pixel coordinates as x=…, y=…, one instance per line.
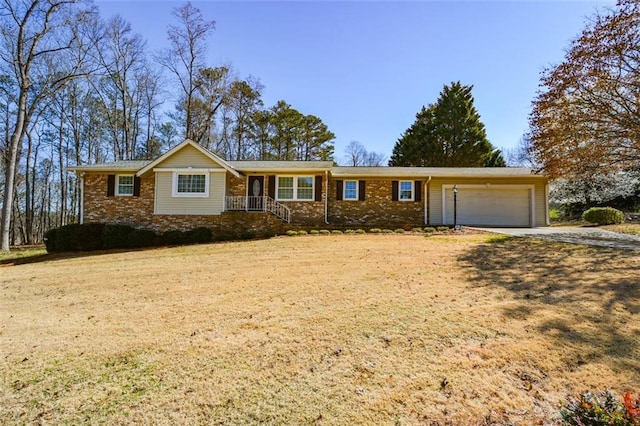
x=349, y=329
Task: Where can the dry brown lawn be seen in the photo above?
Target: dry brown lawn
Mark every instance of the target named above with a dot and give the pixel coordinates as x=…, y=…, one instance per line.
x=340, y=329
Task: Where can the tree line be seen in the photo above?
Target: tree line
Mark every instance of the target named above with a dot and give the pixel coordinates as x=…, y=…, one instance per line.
x=76, y=89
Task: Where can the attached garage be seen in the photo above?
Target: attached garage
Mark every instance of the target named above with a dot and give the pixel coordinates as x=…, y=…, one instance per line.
x=490, y=205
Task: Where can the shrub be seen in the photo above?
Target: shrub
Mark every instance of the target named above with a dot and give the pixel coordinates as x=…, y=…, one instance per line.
x=324, y=231
x=314, y=232
x=429, y=229
x=442, y=229
x=555, y=214
x=603, y=216
x=142, y=238
x=601, y=409
x=360, y=231
x=418, y=230
x=350, y=231
x=388, y=231
x=302, y=232
x=198, y=235
x=337, y=231
x=399, y=231
x=116, y=236
x=292, y=233
x=248, y=235
x=74, y=237
x=50, y=240
x=174, y=238
x=375, y=230
x=224, y=236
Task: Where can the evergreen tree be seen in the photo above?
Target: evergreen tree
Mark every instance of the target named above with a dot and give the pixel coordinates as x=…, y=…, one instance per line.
x=448, y=133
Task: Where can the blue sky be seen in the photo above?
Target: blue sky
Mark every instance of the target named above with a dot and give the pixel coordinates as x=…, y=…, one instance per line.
x=367, y=67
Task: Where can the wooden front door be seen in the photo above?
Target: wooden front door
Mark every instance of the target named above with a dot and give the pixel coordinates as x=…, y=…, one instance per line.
x=255, y=193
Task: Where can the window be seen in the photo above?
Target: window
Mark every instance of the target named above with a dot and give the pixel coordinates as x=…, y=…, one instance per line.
x=124, y=185
x=295, y=188
x=190, y=184
x=350, y=190
x=406, y=190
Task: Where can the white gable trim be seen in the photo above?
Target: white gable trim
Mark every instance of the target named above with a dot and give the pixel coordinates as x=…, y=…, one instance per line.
x=181, y=145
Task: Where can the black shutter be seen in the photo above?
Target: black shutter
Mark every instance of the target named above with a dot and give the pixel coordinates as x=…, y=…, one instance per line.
x=339, y=188
x=361, y=188
x=417, y=191
x=271, y=190
x=136, y=186
x=394, y=190
x=318, y=188
x=111, y=185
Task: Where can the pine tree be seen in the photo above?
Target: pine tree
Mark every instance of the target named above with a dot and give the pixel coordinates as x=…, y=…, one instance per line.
x=448, y=133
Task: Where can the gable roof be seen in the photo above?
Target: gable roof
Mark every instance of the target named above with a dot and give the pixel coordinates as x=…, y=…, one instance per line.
x=180, y=146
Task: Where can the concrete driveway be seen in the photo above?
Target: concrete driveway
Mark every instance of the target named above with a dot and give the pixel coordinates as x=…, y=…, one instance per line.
x=566, y=234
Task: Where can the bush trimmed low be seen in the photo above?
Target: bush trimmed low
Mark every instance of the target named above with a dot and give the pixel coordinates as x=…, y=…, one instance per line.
x=140, y=238
x=116, y=236
x=603, y=216
x=199, y=235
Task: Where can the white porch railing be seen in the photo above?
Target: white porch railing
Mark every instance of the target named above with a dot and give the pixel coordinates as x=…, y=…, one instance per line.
x=257, y=204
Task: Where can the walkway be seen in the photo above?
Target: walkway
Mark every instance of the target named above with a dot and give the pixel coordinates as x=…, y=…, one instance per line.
x=589, y=236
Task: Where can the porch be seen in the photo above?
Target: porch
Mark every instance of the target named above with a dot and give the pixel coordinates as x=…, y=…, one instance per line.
x=257, y=204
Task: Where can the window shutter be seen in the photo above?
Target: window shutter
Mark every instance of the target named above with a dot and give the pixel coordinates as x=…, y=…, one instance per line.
x=394, y=190
x=111, y=185
x=361, y=187
x=318, y=188
x=417, y=191
x=339, y=188
x=271, y=190
x=136, y=186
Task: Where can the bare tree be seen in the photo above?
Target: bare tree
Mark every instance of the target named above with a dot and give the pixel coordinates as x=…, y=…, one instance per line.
x=185, y=58
x=358, y=156
x=32, y=34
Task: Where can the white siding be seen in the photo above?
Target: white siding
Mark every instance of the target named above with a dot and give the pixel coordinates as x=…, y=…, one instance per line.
x=165, y=203
x=188, y=157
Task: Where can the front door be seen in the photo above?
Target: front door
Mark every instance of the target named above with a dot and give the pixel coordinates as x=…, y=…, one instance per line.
x=255, y=193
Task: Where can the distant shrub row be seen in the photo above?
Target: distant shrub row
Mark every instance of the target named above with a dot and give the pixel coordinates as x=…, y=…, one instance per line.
x=427, y=230
x=603, y=216
x=98, y=236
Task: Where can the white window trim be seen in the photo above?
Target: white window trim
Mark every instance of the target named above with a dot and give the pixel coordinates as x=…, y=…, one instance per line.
x=413, y=190
x=344, y=190
x=295, y=188
x=174, y=183
x=117, y=188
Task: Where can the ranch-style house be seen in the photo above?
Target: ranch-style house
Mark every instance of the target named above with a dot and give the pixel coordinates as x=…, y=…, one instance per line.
x=189, y=186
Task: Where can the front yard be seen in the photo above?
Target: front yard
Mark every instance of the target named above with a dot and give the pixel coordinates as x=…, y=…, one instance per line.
x=339, y=329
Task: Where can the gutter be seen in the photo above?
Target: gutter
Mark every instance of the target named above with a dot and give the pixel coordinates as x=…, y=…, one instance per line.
x=426, y=201
x=81, y=198
x=326, y=197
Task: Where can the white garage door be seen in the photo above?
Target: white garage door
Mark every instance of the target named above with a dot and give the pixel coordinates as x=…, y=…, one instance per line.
x=489, y=206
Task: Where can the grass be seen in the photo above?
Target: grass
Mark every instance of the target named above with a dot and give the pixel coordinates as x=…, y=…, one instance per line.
x=394, y=329
x=22, y=253
x=628, y=228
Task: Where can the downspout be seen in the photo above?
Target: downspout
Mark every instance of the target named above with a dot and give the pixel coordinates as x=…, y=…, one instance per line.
x=81, y=197
x=426, y=202
x=326, y=197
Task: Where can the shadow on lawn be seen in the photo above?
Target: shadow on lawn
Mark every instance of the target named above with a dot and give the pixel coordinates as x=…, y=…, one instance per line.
x=596, y=292
x=51, y=257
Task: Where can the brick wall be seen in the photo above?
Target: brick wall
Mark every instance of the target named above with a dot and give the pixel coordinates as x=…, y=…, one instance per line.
x=134, y=211
x=376, y=210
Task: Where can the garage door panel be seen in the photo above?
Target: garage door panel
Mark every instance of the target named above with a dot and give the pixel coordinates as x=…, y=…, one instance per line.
x=490, y=206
